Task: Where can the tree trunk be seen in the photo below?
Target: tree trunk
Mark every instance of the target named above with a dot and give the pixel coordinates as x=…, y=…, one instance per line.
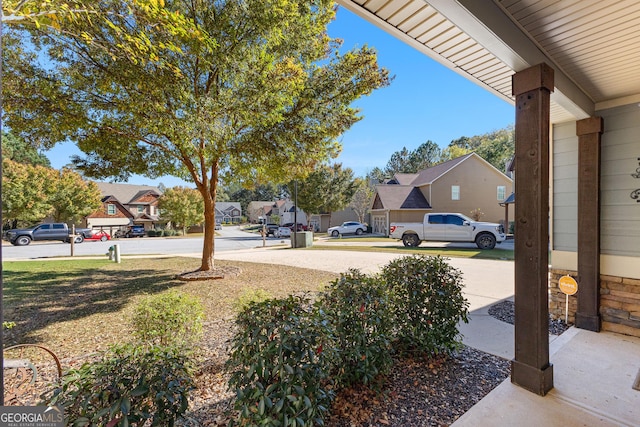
x=208, y=191
x=209, y=232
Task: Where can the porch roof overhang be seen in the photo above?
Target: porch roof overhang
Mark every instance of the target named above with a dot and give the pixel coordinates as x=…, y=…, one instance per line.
x=593, y=46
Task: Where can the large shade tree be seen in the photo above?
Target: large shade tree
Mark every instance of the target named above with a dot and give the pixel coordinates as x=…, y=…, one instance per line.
x=254, y=88
x=327, y=189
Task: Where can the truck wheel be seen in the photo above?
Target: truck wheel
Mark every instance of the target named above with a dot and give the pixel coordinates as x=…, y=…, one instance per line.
x=79, y=239
x=22, y=241
x=486, y=241
x=411, y=240
x=359, y=231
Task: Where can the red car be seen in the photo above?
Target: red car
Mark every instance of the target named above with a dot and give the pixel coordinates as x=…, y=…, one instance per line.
x=101, y=235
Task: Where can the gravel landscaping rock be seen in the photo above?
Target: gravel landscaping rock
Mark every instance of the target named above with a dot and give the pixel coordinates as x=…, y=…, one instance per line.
x=505, y=312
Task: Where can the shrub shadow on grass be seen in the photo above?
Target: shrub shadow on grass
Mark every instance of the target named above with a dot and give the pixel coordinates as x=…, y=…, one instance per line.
x=51, y=292
x=79, y=306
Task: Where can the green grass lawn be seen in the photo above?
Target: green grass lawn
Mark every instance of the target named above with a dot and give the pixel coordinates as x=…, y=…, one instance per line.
x=77, y=307
x=496, y=254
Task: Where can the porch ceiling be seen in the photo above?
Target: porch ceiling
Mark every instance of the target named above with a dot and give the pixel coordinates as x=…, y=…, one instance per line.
x=593, y=45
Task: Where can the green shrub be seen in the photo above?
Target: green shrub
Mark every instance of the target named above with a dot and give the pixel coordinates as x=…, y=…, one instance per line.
x=131, y=385
x=357, y=307
x=169, y=319
x=169, y=232
x=279, y=364
x=249, y=296
x=427, y=300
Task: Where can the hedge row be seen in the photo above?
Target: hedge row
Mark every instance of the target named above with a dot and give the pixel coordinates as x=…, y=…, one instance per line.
x=290, y=355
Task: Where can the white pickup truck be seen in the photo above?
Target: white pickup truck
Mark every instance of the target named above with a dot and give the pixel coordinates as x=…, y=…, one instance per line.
x=448, y=227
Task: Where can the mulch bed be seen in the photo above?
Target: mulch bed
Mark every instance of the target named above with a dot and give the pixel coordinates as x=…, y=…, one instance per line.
x=418, y=391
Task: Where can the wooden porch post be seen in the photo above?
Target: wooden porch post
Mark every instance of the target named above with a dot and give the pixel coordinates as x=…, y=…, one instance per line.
x=530, y=369
x=589, y=133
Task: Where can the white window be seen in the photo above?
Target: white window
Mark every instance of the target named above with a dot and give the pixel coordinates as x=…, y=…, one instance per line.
x=502, y=192
x=455, y=192
x=111, y=209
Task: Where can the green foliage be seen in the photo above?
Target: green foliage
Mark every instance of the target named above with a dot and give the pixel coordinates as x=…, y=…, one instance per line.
x=31, y=193
x=8, y=325
x=169, y=319
x=17, y=149
x=130, y=385
x=496, y=147
x=358, y=309
x=285, y=351
x=25, y=192
x=279, y=364
x=250, y=296
x=412, y=161
x=427, y=302
x=253, y=89
x=329, y=188
x=182, y=206
x=72, y=198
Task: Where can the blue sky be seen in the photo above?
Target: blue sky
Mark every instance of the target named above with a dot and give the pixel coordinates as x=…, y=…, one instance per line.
x=425, y=101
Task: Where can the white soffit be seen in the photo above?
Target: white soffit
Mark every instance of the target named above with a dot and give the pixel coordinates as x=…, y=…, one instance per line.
x=593, y=45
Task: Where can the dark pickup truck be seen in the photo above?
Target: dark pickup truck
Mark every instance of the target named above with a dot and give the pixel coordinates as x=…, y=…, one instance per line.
x=49, y=231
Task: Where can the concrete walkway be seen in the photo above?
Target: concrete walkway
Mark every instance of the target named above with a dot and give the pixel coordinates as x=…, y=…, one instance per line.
x=594, y=373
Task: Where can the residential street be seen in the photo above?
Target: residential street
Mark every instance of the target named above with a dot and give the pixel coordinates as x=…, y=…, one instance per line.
x=228, y=239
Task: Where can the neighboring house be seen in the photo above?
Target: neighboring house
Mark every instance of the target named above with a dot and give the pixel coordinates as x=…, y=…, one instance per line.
x=460, y=185
x=257, y=211
x=571, y=71
x=125, y=204
x=321, y=222
x=228, y=212
x=285, y=210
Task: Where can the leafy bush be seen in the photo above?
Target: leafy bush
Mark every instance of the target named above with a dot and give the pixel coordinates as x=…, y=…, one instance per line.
x=169, y=319
x=427, y=302
x=129, y=386
x=279, y=364
x=357, y=307
x=249, y=296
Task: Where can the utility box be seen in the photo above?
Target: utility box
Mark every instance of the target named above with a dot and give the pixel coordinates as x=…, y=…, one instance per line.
x=302, y=239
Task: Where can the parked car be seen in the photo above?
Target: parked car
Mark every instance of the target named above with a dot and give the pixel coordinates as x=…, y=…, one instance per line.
x=301, y=227
x=131, y=231
x=101, y=235
x=282, y=232
x=348, y=227
x=271, y=229
x=218, y=226
x=448, y=227
x=48, y=231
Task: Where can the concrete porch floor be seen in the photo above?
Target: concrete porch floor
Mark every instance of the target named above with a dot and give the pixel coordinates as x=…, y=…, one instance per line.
x=594, y=376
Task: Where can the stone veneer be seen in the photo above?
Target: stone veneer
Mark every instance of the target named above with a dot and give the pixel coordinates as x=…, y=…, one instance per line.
x=619, y=302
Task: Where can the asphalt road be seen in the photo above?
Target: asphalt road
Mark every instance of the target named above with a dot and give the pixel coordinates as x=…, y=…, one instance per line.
x=229, y=238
